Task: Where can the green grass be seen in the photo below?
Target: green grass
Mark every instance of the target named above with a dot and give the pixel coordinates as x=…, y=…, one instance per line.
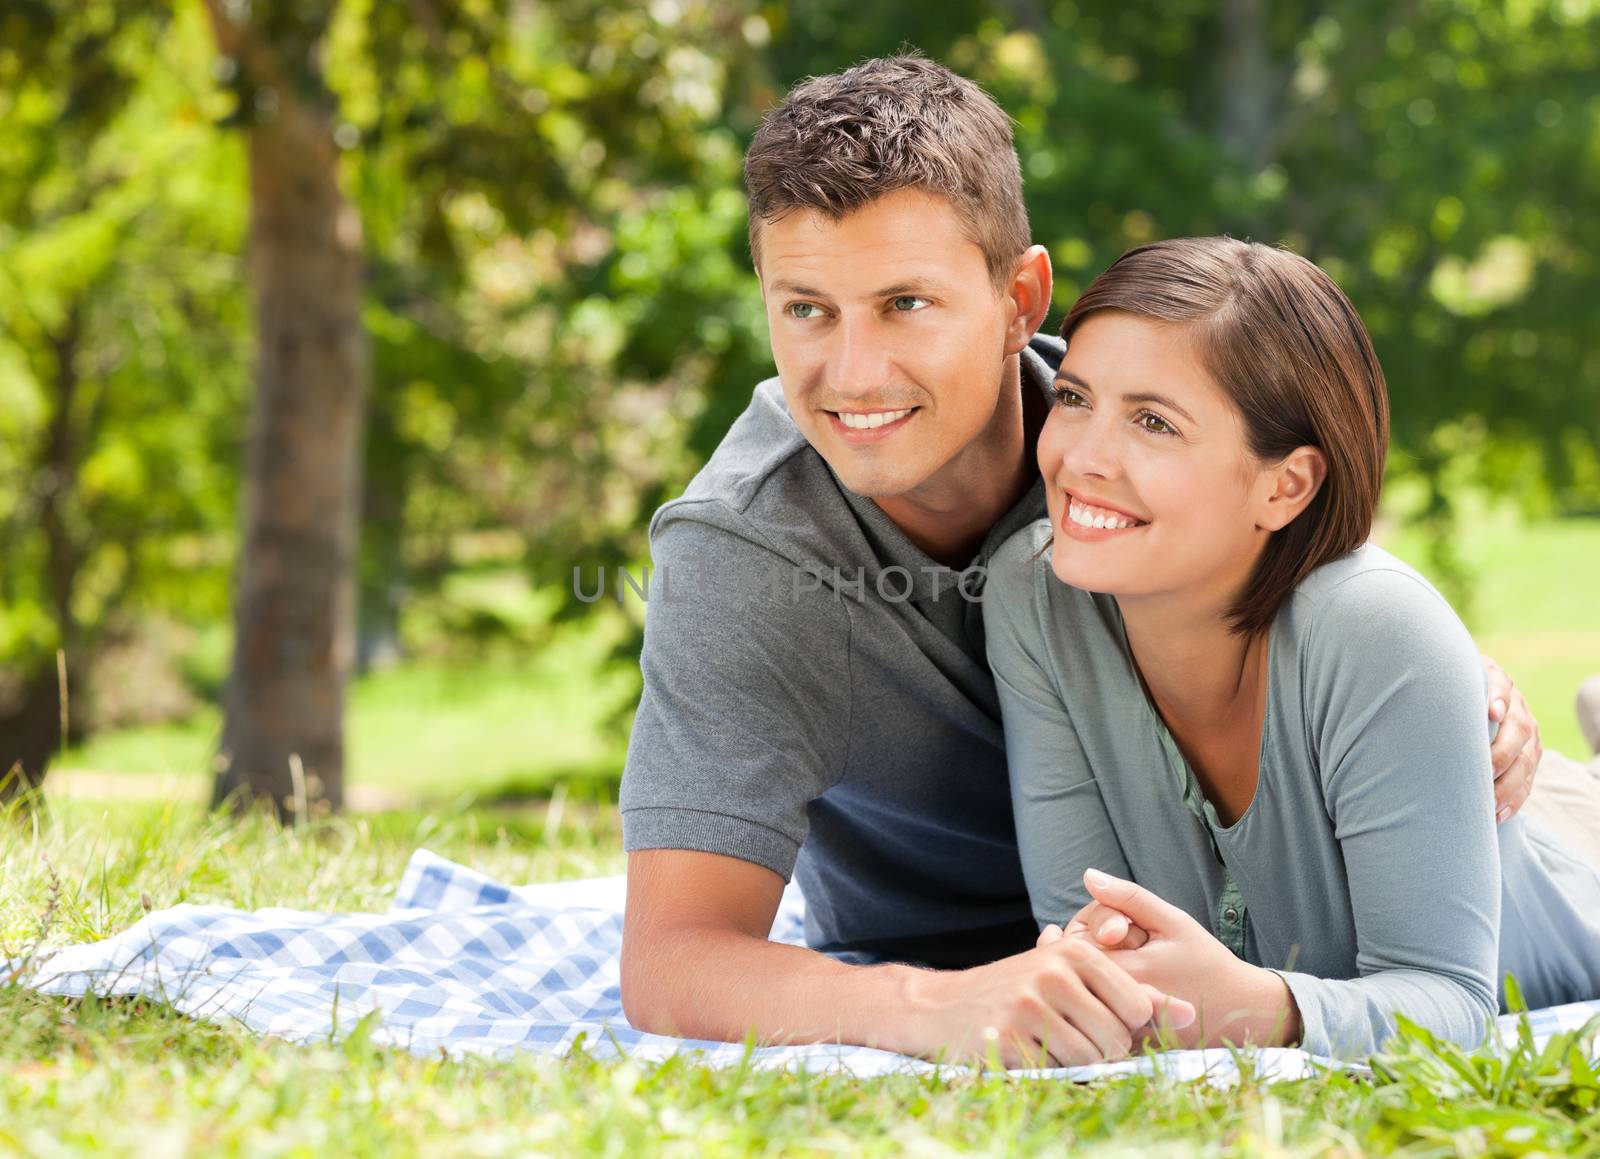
x=1535, y=607
x=125, y=1077
x=500, y=727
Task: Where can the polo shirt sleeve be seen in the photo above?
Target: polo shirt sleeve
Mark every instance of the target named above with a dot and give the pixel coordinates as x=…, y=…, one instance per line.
x=744, y=718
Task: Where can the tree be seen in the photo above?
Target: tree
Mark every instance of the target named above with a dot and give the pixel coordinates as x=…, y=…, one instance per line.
x=529, y=135
x=118, y=326
x=294, y=608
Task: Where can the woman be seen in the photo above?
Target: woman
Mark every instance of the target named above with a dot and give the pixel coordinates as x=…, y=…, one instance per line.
x=1235, y=731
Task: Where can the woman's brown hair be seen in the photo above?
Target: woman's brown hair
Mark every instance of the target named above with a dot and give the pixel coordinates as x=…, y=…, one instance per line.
x=1287, y=347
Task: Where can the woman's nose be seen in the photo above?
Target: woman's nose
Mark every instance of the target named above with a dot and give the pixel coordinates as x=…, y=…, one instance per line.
x=1089, y=451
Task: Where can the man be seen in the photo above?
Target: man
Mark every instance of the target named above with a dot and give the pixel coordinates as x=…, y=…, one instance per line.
x=816, y=696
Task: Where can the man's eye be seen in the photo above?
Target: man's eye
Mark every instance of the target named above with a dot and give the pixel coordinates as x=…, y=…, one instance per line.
x=803, y=309
x=1155, y=424
x=1066, y=396
x=906, y=303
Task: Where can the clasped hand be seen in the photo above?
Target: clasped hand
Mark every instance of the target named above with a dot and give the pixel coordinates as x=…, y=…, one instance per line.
x=1162, y=947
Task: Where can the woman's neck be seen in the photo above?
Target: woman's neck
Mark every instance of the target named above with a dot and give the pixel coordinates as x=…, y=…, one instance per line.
x=1201, y=675
x=1209, y=686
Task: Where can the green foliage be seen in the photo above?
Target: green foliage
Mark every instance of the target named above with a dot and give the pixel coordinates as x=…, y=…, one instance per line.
x=1437, y=158
x=122, y=326
x=1535, y=1098
x=550, y=216
x=562, y=315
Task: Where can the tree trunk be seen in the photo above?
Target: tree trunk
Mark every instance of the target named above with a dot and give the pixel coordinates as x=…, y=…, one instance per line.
x=382, y=567
x=30, y=732
x=294, y=600
x=30, y=702
x=1246, y=80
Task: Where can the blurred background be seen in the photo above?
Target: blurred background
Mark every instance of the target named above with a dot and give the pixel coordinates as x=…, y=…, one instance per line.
x=345, y=331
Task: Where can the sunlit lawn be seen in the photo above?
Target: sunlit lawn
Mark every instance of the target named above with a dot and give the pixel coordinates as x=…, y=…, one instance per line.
x=128, y=1078
x=508, y=727
x=1536, y=608
x=124, y=1077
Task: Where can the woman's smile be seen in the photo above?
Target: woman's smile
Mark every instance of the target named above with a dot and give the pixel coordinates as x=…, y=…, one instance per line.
x=1088, y=520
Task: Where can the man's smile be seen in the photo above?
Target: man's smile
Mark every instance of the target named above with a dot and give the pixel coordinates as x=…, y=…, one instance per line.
x=869, y=426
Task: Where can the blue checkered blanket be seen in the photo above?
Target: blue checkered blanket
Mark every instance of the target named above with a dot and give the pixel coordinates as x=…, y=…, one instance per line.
x=464, y=964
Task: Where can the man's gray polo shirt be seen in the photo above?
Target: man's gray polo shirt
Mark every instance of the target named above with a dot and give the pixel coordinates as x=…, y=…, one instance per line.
x=816, y=700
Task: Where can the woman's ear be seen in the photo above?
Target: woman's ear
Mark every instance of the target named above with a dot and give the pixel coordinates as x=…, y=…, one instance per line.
x=1029, y=295
x=1293, y=483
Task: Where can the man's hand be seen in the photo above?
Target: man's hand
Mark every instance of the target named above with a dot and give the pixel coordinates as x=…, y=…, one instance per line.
x=1107, y=928
x=696, y=962
x=1234, y=1001
x=1063, y=1004
x=1516, y=749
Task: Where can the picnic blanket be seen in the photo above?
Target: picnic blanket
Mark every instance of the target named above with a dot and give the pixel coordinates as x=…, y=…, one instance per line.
x=464, y=964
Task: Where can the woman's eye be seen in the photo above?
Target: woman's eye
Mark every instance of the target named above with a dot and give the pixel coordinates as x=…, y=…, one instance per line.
x=1066, y=396
x=803, y=309
x=1155, y=424
x=906, y=303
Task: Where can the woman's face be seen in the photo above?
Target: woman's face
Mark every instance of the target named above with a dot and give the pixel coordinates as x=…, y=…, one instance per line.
x=1151, y=485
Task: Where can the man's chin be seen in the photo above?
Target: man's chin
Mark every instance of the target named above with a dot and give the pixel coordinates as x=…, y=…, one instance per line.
x=880, y=482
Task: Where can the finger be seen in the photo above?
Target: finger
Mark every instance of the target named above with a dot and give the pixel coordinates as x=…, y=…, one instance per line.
x=1512, y=790
x=1132, y=936
x=1115, y=989
x=1070, y=994
x=1112, y=930
x=1062, y=1044
x=1089, y=917
x=1516, y=731
x=1051, y=933
x=1110, y=1036
x=1496, y=683
x=1142, y=907
x=1170, y=1010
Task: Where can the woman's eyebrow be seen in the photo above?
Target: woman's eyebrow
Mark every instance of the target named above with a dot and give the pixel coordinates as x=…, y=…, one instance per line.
x=1158, y=400
x=1143, y=396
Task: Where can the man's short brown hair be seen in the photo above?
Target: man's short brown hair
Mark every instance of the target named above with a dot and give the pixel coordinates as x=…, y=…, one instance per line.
x=838, y=143
x=1286, y=346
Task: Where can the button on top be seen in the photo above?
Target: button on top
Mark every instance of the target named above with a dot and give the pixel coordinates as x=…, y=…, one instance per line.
x=1230, y=914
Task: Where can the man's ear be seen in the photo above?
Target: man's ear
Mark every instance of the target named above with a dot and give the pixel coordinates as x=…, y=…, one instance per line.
x=1294, y=483
x=1029, y=295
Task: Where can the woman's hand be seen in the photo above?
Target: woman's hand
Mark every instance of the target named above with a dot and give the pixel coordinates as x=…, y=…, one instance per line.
x=1235, y=1001
x=1061, y=1004
x=1107, y=928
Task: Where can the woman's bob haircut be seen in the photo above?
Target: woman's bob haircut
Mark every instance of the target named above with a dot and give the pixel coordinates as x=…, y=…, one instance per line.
x=1287, y=347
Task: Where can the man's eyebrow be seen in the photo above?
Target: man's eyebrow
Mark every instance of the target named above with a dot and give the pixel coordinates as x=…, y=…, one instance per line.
x=900, y=289
x=1143, y=396
x=787, y=287
x=928, y=286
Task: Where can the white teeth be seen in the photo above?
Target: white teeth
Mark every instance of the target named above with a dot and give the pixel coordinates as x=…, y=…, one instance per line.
x=866, y=422
x=1085, y=516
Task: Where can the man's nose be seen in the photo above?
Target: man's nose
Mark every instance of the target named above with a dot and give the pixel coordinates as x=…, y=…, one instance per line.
x=862, y=360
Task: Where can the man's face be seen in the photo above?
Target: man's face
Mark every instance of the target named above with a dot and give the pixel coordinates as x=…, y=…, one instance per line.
x=889, y=337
